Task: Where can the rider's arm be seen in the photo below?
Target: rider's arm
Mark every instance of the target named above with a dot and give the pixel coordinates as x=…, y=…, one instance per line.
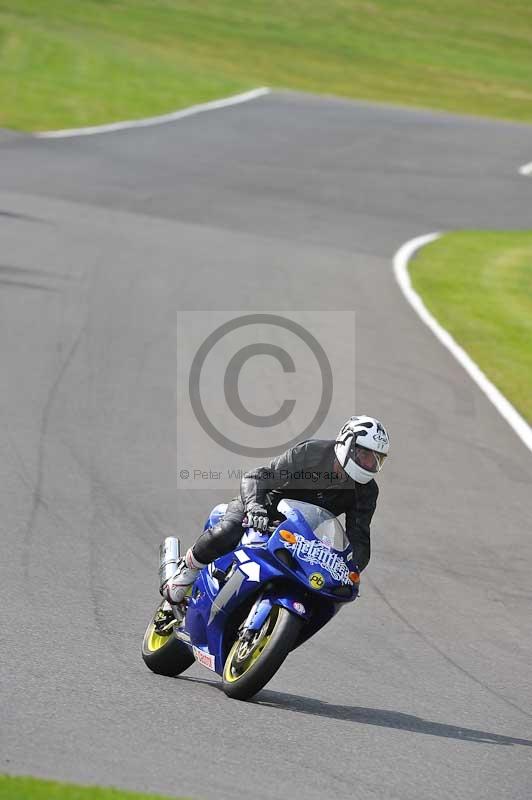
x=282, y=472
x=357, y=523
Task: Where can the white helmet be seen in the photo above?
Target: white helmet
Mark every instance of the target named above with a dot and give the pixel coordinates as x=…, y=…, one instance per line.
x=361, y=447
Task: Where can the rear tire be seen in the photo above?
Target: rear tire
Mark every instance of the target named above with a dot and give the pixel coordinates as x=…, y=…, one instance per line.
x=165, y=655
x=244, y=676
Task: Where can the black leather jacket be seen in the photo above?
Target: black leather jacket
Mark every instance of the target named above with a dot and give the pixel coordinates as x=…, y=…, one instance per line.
x=306, y=472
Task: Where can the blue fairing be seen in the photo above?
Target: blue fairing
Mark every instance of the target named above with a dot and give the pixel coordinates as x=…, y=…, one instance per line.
x=215, y=516
x=292, y=569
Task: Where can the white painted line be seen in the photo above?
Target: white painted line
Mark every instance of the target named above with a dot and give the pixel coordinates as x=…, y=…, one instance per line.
x=160, y=120
x=506, y=409
x=526, y=169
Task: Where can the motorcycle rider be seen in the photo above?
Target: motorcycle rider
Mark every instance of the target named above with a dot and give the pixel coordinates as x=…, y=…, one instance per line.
x=337, y=475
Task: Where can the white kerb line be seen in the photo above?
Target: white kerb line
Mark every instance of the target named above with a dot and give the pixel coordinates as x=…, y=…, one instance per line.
x=160, y=120
x=503, y=406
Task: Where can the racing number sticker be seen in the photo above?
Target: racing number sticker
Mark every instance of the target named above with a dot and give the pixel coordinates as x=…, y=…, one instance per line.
x=316, y=580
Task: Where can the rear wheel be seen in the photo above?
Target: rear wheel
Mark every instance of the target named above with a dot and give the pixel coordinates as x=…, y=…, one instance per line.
x=252, y=663
x=162, y=651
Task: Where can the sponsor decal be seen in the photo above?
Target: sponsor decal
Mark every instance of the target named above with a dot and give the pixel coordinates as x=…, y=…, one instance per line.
x=203, y=658
x=381, y=435
x=315, y=552
x=316, y=580
x=299, y=607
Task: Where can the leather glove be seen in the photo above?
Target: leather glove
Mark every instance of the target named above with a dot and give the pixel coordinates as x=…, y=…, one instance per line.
x=257, y=517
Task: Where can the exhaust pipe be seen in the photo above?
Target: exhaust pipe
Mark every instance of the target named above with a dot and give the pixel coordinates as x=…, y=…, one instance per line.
x=169, y=554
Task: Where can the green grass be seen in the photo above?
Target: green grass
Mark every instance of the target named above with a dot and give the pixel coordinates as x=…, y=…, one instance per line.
x=14, y=788
x=66, y=63
x=479, y=286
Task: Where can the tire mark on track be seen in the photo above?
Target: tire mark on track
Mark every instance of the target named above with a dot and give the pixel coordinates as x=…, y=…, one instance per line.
x=103, y=500
x=443, y=654
x=17, y=216
x=37, y=490
x=40, y=287
x=100, y=593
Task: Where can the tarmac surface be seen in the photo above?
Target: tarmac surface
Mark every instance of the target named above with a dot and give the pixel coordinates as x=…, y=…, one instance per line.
x=420, y=690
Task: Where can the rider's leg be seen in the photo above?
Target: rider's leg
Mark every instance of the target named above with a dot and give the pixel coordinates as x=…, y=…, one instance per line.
x=176, y=587
x=212, y=543
x=223, y=537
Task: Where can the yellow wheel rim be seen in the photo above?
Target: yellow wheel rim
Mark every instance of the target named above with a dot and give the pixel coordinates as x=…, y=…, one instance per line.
x=154, y=641
x=253, y=656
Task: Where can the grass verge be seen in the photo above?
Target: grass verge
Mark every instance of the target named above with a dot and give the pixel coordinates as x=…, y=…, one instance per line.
x=15, y=788
x=65, y=63
x=478, y=285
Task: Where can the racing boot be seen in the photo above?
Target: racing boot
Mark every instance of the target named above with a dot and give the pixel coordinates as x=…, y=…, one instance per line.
x=176, y=587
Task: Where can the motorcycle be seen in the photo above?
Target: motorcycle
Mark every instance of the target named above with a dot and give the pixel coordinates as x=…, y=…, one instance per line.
x=250, y=608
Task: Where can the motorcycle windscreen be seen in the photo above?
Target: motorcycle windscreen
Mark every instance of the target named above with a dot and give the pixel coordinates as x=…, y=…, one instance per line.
x=324, y=525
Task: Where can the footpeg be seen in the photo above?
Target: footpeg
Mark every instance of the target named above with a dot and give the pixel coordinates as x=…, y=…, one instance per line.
x=220, y=575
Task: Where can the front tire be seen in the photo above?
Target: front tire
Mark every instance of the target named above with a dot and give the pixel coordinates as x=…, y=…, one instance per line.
x=165, y=654
x=249, y=666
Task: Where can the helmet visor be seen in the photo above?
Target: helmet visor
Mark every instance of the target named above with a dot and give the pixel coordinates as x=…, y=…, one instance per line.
x=369, y=460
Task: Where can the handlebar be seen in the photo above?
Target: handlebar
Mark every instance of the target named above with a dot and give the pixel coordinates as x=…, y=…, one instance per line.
x=270, y=529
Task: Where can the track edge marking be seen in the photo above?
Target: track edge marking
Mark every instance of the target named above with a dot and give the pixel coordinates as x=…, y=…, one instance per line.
x=162, y=119
x=401, y=260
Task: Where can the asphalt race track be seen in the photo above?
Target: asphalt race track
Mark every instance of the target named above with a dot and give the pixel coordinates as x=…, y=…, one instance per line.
x=423, y=688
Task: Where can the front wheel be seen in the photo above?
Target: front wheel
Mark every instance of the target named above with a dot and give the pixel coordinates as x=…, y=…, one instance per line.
x=251, y=664
x=162, y=651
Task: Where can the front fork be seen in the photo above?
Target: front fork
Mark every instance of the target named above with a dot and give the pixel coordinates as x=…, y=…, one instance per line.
x=261, y=608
